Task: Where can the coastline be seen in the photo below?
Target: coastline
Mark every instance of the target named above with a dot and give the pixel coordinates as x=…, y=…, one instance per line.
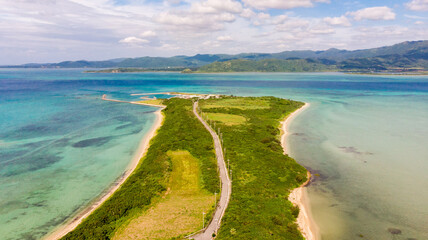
x=298, y=196
x=73, y=222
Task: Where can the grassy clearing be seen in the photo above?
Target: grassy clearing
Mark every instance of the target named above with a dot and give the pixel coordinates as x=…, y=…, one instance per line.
x=262, y=175
x=239, y=103
x=179, y=212
x=181, y=131
x=153, y=101
x=181, y=93
x=228, y=119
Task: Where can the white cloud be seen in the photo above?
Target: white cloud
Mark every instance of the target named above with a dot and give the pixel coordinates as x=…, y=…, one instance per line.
x=374, y=13
x=293, y=24
x=185, y=21
x=52, y=30
x=148, y=34
x=167, y=46
x=211, y=43
x=215, y=6
x=134, y=40
x=338, y=21
x=201, y=17
x=281, y=4
x=279, y=19
x=263, y=16
x=224, y=38
x=382, y=32
x=247, y=13
x=97, y=6
x=225, y=17
x=266, y=19
x=415, y=17
x=418, y=5
x=263, y=35
x=321, y=30
x=173, y=1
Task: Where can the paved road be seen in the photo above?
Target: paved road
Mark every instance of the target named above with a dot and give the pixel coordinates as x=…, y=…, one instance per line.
x=226, y=185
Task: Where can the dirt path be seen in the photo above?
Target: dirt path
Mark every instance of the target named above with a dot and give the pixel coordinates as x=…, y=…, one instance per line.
x=226, y=186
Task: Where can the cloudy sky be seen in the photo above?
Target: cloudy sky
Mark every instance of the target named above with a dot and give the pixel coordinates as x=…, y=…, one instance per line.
x=57, y=30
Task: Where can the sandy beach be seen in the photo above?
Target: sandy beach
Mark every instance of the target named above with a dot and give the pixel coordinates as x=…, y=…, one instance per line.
x=298, y=196
x=142, y=149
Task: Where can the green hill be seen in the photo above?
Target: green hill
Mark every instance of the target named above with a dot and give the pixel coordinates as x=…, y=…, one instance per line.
x=405, y=56
x=267, y=65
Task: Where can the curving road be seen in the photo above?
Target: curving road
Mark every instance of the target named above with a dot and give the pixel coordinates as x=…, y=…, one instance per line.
x=226, y=185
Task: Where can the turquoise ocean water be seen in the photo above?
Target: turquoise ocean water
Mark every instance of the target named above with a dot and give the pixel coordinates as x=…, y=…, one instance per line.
x=364, y=137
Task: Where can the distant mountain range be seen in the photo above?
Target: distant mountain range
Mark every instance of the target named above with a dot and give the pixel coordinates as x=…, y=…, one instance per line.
x=406, y=56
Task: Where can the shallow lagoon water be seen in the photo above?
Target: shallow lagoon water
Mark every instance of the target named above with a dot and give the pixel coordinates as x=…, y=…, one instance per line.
x=364, y=137
x=370, y=159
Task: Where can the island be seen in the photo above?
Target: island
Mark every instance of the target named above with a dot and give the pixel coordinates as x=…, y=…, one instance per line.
x=406, y=58
x=379, y=66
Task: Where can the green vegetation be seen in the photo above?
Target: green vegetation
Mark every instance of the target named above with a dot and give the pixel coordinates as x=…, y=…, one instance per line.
x=387, y=63
x=179, y=212
x=227, y=119
x=267, y=65
x=131, y=70
x=181, y=130
x=187, y=70
x=262, y=175
x=176, y=180
x=239, y=103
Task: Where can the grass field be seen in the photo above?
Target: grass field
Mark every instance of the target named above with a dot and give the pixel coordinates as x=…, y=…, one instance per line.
x=179, y=211
x=153, y=101
x=262, y=175
x=239, y=103
x=228, y=119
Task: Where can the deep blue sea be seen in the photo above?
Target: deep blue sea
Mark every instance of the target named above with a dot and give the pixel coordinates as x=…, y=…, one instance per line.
x=364, y=137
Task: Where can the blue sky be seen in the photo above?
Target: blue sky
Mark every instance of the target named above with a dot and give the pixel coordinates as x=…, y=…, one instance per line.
x=58, y=30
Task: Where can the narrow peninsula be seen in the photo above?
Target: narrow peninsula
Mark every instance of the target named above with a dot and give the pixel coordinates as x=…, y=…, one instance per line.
x=177, y=190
